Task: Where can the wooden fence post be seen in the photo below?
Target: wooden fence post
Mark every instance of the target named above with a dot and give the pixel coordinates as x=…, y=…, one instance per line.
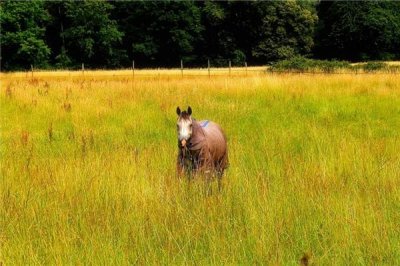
x=230, y=65
x=245, y=65
x=209, y=75
x=83, y=69
x=182, y=68
x=133, y=69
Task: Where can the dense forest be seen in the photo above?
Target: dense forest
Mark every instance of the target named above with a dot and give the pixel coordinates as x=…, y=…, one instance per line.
x=107, y=34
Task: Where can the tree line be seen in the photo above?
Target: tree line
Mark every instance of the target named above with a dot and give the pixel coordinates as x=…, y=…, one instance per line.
x=104, y=34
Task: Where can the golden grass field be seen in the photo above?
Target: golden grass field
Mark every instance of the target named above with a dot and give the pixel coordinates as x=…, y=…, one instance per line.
x=88, y=169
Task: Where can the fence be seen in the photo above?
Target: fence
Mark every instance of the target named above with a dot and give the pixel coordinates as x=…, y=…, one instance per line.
x=207, y=71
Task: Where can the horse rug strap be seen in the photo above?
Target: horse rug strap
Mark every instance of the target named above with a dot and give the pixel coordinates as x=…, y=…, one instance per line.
x=205, y=123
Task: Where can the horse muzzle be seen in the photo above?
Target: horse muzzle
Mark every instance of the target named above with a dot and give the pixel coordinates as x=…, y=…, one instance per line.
x=183, y=143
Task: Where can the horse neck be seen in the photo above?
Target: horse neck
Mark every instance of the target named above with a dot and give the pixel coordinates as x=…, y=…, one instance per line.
x=196, y=128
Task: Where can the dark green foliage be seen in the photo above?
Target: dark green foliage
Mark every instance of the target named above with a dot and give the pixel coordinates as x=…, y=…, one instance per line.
x=301, y=64
x=374, y=66
x=107, y=34
x=22, y=34
x=286, y=30
x=358, y=30
x=92, y=37
x=63, y=60
x=257, y=32
x=159, y=33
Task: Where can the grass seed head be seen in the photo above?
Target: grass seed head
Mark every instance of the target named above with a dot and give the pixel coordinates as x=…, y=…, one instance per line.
x=24, y=137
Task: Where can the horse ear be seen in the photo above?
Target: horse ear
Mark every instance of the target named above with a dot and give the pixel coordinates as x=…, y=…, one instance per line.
x=178, y=110
x=189, y=110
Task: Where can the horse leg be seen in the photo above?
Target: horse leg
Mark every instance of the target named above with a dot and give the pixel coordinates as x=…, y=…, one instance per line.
x=205, y=170
x=208, y=182
x=180, y=165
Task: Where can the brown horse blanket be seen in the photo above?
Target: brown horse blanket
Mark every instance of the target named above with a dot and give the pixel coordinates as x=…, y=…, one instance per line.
x=206, y=149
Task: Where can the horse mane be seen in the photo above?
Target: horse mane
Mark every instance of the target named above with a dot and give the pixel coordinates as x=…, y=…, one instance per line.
x=185, y=115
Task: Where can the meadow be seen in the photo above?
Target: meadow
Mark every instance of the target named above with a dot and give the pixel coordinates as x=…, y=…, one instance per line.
x=88, y=169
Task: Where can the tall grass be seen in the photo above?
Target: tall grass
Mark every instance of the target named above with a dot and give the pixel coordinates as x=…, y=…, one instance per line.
x=88, y=170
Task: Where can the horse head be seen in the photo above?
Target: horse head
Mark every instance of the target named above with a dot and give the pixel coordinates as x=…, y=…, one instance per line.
x=184, y=125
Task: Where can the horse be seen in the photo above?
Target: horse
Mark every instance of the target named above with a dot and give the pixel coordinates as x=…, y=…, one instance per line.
x=202, y=146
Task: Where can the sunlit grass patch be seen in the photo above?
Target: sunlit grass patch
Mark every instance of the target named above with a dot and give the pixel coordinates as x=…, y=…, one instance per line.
x=88, y=170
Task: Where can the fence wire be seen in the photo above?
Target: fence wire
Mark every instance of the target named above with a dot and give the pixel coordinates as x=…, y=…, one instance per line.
x=184, y=72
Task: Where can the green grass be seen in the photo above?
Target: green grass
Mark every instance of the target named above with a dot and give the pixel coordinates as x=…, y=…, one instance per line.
x=314, y=169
